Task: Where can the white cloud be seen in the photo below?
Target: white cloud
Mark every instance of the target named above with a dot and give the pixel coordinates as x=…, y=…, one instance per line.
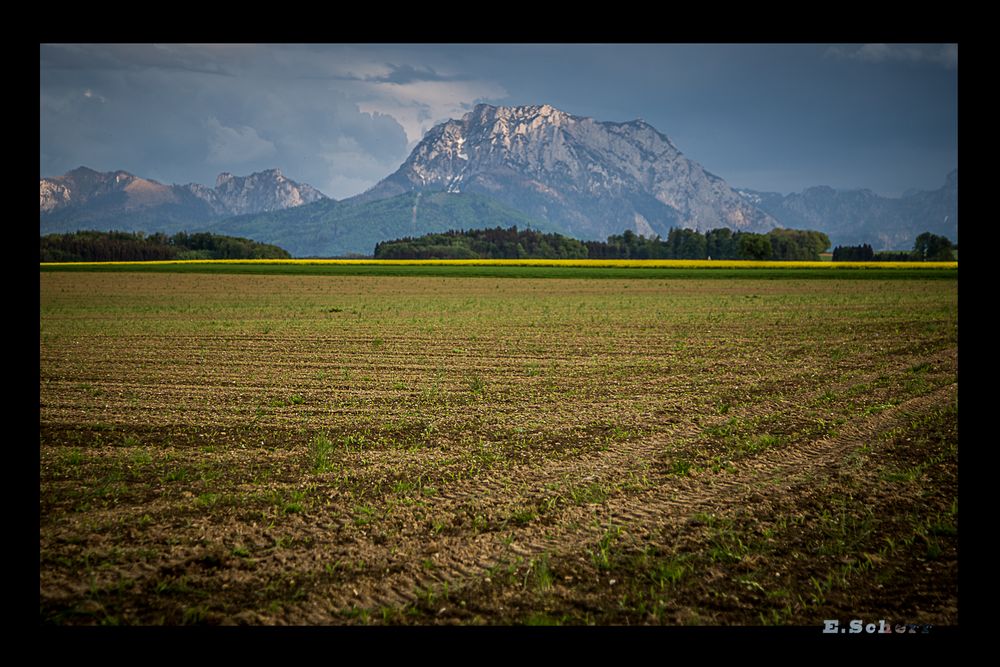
x=945, y=55
x=91, y=95
x=419, y=105
x=234, y=145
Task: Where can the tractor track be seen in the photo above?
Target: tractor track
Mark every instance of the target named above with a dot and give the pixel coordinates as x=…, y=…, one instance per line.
x=462, y=561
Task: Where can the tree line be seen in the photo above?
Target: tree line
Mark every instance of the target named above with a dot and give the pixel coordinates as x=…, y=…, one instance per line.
x=927, y=248
x=496, y=243
x=92, y=246
x=514, y=243
x=777, y=244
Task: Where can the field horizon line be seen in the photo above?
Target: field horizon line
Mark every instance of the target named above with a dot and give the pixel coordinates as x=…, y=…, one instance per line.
x=569, y=263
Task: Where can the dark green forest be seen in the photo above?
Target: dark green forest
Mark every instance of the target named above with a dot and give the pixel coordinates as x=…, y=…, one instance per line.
x=90, y=246
x=514, y=243
x=927, y=248
x=496, y=243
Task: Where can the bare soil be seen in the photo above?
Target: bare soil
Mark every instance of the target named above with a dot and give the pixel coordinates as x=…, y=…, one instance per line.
x=376, y=450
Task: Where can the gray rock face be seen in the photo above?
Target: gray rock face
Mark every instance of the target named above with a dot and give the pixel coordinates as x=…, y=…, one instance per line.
x=263, y=191
x=82, y=186
x=88, y=199
x=52, y=195
x=590, y=178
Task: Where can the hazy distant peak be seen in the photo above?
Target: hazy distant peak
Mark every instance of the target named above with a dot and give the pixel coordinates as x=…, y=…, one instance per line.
x=85, y=188
x=854, y=217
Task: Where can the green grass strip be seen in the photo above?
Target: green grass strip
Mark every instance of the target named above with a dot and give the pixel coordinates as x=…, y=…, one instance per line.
x=465, y=271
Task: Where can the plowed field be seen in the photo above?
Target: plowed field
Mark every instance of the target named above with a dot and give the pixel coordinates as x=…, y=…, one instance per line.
x=307, y=449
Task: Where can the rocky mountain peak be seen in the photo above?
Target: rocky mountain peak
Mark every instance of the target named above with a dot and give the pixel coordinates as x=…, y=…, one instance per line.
x=266, y=190
x=81, y=172
x=508, y=114
x=591, y=178
x=53, y=195
x=79, y=186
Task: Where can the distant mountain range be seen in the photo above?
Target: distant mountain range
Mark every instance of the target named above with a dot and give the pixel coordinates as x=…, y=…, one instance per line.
x=88, y=199
x=855, y=217
x=531, y=166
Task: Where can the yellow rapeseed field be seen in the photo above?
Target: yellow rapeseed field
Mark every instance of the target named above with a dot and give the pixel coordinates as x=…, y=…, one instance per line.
x=580, y=263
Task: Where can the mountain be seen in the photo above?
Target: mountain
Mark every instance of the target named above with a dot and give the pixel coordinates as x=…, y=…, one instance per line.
x=527, y=166
x=855, y=217
x=329, y=228
x=587, y=178
x=263, y=191
x=84, y=186
x=88, y=199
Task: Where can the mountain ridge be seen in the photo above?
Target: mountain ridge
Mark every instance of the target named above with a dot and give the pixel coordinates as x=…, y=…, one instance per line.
x=85, y=197
x=538, y=165
x=860, y=216
x=589, y=178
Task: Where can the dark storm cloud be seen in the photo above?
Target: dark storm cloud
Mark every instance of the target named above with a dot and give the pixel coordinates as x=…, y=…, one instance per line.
x=157, y=114
x=769, y=117
x=409, y=74
x=128, y=57
x=945, y=55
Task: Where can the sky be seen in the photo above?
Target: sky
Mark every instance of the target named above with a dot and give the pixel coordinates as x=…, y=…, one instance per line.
x=341, y=117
